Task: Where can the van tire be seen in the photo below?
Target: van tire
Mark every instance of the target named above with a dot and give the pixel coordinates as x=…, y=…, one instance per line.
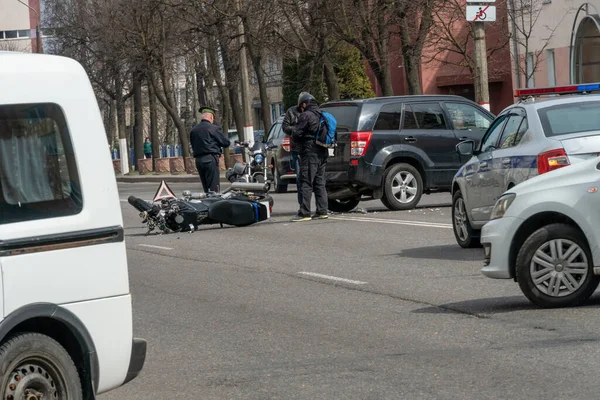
x=279, y=186
x=342, y=205
x=45, y=363
x=392, y=180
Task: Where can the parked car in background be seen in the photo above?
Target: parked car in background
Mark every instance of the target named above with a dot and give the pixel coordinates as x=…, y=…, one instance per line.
x=529, y=138
x=545, y=234
x=234, y=135
x=282, y=171
x=397, y=148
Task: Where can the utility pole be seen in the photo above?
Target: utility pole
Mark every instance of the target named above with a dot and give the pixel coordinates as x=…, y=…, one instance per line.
x=248, y=131
x=482, y=93
x=38, y=39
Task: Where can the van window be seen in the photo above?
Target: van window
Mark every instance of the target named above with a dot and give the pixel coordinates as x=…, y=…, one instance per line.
x=276, y=131
x=38, y=173
x=345, y=114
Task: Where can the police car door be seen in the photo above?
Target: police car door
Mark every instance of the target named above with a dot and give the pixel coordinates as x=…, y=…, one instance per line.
x=510, y=164
x=481, y=181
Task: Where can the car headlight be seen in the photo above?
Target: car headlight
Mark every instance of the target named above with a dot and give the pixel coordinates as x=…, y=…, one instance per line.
x=502, y=205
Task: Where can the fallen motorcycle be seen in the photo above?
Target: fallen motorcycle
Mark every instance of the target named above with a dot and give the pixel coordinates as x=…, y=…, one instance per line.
x=242, y=204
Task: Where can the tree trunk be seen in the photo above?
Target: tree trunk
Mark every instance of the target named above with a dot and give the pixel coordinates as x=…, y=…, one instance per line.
x=164, y=94
x=256, y=57
x=331, y=80
x=153, y=125
x=138, y=122
x=215, y=73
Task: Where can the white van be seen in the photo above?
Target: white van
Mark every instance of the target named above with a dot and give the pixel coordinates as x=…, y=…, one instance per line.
x=66, y=324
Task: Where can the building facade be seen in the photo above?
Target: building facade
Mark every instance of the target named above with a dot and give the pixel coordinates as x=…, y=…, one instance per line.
x=18, y=22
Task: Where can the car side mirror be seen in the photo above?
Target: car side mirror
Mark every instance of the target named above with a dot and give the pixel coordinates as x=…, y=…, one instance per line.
x=466, y=148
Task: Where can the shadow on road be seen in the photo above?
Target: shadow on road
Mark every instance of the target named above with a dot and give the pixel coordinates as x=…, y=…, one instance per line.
x=495, y=305
x=451, y=252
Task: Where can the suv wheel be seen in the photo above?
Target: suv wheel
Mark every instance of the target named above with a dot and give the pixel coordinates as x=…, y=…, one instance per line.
x=279, y=187
x=555, y=267
x=465, y=235
x=342, y=205
x=403, y=187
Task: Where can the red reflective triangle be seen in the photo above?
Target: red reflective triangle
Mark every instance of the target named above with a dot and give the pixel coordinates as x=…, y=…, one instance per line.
x=164, y=188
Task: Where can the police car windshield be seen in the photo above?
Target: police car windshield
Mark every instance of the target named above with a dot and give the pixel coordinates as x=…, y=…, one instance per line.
x=563, y=119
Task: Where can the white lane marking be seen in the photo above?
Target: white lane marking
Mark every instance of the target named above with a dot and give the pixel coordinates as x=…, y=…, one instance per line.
x=396, y=222
x=156, y=247
x=332, y=278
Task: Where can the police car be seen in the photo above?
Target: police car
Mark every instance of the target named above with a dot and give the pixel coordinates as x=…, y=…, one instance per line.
x=534, y=136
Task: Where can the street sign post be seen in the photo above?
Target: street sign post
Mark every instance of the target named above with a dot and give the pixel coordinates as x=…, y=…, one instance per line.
x=483, y=13
x=481, y=1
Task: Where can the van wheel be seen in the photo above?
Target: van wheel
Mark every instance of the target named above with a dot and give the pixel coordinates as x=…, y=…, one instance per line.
x=342, y=205
x=403, y=187
x=279, y=187
x=555, y=267
x=35, y=366
x=465, y=235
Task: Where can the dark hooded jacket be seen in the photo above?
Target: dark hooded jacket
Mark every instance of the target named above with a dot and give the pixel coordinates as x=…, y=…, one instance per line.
x=306, y=131
x=289, y=125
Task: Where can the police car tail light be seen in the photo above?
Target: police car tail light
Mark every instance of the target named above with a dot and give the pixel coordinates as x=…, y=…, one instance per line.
x=552, y=160
x=286, y=144
x=359, y=142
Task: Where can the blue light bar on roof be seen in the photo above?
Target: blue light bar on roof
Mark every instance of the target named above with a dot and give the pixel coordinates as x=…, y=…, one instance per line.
x=588, y=87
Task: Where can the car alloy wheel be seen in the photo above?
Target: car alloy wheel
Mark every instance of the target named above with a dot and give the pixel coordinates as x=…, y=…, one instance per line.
x=460, y=219
x=559, y=268
x=554, y=267
x=464, y=234
x=404, y=187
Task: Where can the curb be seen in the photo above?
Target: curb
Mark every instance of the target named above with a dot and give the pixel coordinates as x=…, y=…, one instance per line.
x=160, y=178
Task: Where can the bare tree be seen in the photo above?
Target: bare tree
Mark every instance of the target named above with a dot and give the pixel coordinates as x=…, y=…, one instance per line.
x=524, y=16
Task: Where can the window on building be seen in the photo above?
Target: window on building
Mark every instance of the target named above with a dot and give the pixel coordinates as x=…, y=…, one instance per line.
x=24, y=33
x=38, y=173
x=551, y=67
x=423, y=116
x=10, y=34
x=530, y=71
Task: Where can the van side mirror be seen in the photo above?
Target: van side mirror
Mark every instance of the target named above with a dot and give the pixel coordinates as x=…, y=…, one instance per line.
x=466, y=148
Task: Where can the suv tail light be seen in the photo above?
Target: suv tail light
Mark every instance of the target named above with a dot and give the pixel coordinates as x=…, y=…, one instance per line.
x=552, y=160
x=359, y=142
x=286, y=144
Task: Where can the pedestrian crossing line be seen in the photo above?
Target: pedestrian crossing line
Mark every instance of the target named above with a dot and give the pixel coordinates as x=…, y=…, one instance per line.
x=332, y=278
x=395, y=222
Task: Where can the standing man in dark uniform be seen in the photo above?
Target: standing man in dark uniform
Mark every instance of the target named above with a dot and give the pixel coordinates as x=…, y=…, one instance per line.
x=289, y=124
x=207, y=141
x=313, y=160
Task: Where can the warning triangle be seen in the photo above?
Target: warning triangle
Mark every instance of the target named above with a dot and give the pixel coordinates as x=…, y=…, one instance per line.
x=166, y=189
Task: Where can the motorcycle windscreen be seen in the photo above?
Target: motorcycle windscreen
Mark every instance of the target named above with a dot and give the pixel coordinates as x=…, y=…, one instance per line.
x=237, y=212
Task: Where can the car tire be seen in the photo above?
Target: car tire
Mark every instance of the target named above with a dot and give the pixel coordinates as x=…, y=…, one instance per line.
x=342, y=205
x=465, y=235
x=279, y=187
x=31, y=361
x=400, y=180
x=577, y=269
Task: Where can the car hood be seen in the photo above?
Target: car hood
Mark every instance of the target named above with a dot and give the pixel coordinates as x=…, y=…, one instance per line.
x=581, y=172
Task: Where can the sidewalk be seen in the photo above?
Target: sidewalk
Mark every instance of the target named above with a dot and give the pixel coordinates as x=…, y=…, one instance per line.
x=157, y=178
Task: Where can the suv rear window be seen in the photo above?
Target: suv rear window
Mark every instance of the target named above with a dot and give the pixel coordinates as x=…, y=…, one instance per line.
x=38, y=173
x=346, y=115
x=569, y=118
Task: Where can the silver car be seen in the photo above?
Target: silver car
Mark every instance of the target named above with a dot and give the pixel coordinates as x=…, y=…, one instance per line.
x=526, y=139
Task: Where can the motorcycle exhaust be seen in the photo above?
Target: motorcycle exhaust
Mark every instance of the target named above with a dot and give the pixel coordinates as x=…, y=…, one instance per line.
x=250, y=187
x=139, y=204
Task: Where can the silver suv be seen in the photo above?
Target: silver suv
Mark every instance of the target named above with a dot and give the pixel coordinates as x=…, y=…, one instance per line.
x=526, y=139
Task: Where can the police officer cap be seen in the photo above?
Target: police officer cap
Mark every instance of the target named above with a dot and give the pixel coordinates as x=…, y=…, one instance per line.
x=207, y=109
x=305, y=97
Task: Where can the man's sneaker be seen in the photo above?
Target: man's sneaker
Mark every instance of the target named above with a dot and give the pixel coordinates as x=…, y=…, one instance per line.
x=300, y=218
x=320, y=216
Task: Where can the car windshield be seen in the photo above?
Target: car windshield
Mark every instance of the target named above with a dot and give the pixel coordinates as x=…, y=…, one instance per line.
x=570, y=118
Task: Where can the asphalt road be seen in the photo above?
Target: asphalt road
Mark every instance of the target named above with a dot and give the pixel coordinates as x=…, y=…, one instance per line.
x=362, y=306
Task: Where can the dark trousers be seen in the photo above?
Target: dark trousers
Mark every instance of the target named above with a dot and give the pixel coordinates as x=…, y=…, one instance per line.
x=148, y=155
x=296, y=167
x=312, y=179
x=208, y=169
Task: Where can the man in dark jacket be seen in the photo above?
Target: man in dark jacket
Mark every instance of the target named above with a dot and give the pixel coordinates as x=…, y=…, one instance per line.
x=289, y=124
x=313, y=159
x=207, y=140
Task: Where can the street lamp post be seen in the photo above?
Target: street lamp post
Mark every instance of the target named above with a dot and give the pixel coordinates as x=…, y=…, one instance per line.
x=38, y=42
